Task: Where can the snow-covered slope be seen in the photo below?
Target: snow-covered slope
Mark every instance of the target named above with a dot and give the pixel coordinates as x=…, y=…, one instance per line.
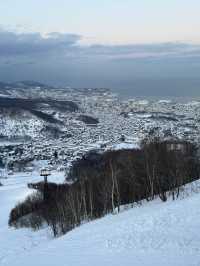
x=20, y=125
x=154, y=233
x=18, y=242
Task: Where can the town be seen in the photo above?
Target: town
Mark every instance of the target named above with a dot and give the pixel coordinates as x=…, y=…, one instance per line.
x=102, y=121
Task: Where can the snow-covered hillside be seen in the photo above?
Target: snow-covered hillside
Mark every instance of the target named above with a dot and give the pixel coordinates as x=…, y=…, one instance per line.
x=15, y=242
x=57, y=126
x=38, y=121
x=20, y=125
x=154, y=233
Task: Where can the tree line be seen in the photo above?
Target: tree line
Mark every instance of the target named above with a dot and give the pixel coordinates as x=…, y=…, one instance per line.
x=102, y=182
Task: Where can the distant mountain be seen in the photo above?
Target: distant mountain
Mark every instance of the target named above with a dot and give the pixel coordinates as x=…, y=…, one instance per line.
x=23, y=84
x=35, y=104
x=29, y=83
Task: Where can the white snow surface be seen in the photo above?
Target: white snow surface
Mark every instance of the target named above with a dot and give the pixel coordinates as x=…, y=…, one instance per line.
x=22, y=125
x=193, y=103
x=164, y=101
x=154, y=233
x=125, y=145
x=17, y=242
x=143, y=102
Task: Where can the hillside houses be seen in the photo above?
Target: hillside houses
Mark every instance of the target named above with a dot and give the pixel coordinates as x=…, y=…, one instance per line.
x=113, y=118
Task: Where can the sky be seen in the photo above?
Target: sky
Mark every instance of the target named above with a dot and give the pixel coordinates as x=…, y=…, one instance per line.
x=146, y=47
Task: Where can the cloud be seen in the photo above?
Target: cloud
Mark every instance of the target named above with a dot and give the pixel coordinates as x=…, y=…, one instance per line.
x=28, y=44
x=61, y=59
x=68, y=46
x=136, y=51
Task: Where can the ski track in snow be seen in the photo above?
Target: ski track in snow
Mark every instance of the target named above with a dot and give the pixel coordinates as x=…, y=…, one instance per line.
x=154, y=233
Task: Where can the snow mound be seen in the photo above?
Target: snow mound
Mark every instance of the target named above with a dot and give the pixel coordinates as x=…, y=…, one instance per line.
x=154, y=233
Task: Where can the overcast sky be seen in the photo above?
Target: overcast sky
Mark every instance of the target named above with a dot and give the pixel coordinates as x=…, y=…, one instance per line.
x=146, y=47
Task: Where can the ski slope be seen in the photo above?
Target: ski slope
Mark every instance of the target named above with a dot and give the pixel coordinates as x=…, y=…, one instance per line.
x=15, y=242
x=154, y=233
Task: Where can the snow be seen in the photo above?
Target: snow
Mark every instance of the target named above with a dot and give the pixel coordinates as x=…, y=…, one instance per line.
x=144, y=115
x=23, y=124
x=7, y=143
x=3, y=95
x=15, y=242
x=154, y=233
x=193, y=103
x=125, y=145
x=164, y=101
x=143, y=102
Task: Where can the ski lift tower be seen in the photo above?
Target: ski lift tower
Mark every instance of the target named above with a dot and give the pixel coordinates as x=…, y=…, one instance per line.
x=45, y=173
